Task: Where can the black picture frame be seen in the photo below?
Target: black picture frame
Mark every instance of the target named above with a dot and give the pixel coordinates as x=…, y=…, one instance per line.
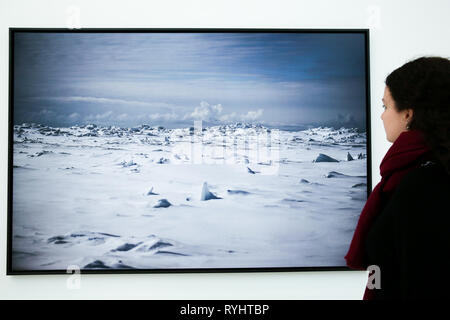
x=15, y=30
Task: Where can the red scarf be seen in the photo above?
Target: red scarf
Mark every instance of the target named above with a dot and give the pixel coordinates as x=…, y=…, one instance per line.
x=406, y=153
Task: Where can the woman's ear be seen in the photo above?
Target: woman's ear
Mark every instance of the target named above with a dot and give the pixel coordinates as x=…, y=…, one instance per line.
x=409, y=114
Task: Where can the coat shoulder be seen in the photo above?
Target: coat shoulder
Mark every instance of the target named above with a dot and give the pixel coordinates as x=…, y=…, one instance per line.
x=425, y=187
x=428, y=174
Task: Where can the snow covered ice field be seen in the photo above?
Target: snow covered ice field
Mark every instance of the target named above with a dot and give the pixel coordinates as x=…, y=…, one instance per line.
x=110, y=197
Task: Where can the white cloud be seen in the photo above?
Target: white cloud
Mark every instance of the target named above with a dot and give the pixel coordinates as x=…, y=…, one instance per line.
x=252, y=115
x=205, y=112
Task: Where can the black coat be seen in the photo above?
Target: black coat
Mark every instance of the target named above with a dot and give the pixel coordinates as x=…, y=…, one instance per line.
x=410, y=239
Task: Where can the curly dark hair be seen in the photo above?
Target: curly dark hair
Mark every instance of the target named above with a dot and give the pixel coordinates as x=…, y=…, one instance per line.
x=423, y=85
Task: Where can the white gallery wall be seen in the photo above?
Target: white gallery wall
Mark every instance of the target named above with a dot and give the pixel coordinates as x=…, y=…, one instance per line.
x=400, y=30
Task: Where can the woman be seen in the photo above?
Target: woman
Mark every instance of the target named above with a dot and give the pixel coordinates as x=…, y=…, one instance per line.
x=404, y=228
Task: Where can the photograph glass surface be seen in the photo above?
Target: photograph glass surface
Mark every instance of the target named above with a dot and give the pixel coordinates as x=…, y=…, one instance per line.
x=186, y=150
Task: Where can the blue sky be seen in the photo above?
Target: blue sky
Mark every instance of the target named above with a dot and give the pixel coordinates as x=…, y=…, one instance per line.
x=171, y=79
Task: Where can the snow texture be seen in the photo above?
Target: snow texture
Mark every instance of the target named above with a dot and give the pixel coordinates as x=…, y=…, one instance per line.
x=83, y=195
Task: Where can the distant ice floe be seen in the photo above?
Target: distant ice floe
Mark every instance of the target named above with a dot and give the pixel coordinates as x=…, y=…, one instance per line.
x=328, y=135
x=348, y=136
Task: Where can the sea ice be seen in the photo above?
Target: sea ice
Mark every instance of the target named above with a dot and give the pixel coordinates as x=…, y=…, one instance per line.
x=324, y=158
x=262, y=220
x=151, y=193
x=162, y=203
x=206, y=194
x=349, y=157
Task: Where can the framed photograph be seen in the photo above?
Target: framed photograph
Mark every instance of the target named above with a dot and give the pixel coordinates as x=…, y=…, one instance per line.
x=186, y=150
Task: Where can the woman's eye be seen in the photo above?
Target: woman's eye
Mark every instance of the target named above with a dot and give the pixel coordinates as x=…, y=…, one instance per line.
x=384, y=106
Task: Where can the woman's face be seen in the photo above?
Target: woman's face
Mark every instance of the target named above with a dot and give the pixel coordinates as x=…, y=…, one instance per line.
x=394, y=122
